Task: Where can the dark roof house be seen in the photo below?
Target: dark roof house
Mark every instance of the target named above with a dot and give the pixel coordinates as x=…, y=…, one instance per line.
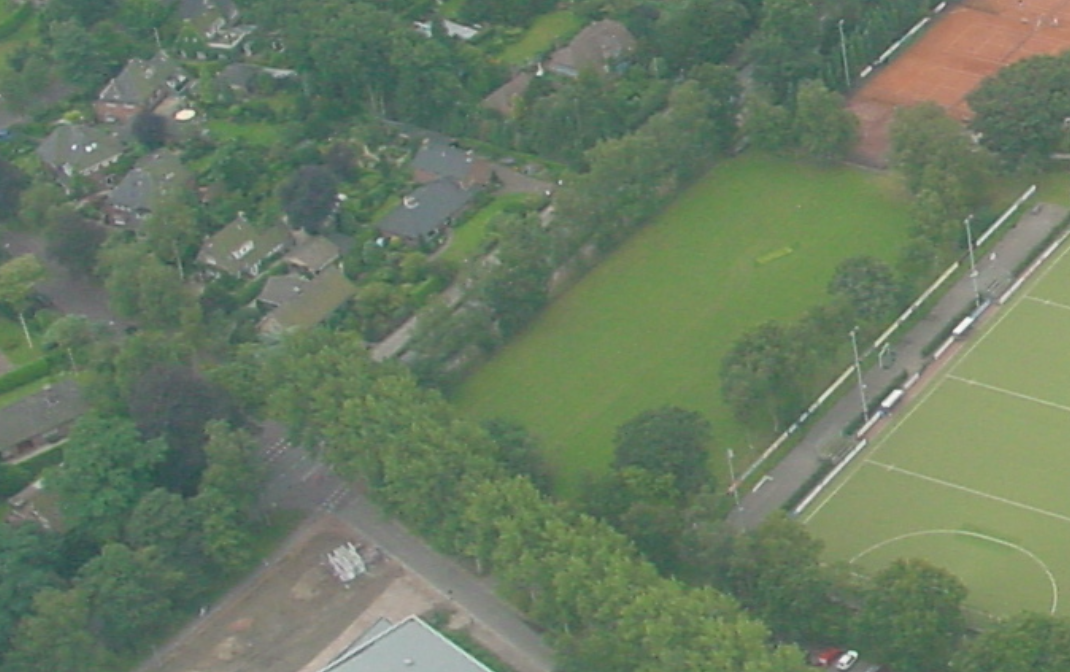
x=154, y=179
x=313, y=255
x=595, y=48
x=280, y=289
x=40, y=420
x=208, y=26
x=71, y=150
x=140, y=86
x=240, y=248
x=409, y=646
x=314, y=303
x=426, y=211
x=438, y=159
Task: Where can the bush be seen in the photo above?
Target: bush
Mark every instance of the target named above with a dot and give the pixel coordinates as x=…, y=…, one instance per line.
x=19, y=19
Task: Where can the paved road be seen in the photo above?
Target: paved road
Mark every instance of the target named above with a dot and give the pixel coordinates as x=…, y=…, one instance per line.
x=297, y=481
x=825, y=435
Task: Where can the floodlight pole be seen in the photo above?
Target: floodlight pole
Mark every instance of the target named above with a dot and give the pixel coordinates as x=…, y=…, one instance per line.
x=858, y=370
x=843, y=52
x=973, y=261
x=732, y=475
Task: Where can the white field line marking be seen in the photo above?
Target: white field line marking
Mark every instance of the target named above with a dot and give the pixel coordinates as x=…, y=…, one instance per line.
x=960, y=357
x=1047, y=302
x=1011, y=393
x=970, y=491
x=977, y=535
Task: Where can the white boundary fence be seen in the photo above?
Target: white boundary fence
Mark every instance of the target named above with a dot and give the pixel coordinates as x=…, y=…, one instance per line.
x=898, y=322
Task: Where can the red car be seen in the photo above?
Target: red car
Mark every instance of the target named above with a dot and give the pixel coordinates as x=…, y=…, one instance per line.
x=826, y=657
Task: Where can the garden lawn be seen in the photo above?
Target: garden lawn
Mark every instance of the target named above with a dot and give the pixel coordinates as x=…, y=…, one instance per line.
x=543, y=34
x=258, y=133
x=467, y=239
x=650, y=325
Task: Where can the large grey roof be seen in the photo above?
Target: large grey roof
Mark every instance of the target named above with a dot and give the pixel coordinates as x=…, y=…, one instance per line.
x=427, y=208
x=139, y=80
x=79, y=146
x=314, y=254
x=443, y=159
x=155, y=177
x=410, y=646
x=40, y=413
x=320, y=297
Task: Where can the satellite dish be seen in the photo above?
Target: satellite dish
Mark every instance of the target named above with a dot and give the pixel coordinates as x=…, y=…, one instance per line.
x=185, y=115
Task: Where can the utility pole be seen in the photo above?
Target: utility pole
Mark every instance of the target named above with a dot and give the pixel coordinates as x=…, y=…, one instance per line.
x=732, y=475
x=843, y=52
x=973, y=260
x=858, y=370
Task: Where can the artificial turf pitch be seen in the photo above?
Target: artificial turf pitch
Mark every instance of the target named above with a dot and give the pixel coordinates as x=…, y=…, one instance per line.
x=973, y=474
x=756, y=239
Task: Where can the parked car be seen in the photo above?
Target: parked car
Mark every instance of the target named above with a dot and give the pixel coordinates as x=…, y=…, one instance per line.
x=847, y=661
x=826, y=657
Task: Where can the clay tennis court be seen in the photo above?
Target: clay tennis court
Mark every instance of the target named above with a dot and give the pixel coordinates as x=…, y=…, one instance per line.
x=965, y=44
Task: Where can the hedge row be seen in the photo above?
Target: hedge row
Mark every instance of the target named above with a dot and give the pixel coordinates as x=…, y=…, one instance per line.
x=24, y=375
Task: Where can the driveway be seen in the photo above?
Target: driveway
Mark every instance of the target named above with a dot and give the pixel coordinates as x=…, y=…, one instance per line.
x=827, y=433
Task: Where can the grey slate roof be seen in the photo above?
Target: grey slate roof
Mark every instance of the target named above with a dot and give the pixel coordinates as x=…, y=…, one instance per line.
x=426, y=209
x=154, y=177
x=318, y=299
x=410, y=646
x=443, y=160
x=140, y=80
x=79, y=147
x=40, y=413
x=314, y=254
x=593, y=47
x=280, y=289
x=239, y=247
x=503, y=98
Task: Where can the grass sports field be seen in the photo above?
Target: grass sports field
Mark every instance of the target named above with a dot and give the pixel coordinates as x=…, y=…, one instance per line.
x=973, y=475
x=650, y=325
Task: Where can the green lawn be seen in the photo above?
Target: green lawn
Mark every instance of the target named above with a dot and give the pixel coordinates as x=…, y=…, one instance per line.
x=972, y=475
x=650, y=325
x=259, y=133
x=466, y=239
x=544, y=32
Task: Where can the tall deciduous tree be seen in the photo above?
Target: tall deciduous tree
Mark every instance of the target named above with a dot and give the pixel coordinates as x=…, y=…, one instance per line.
x=29, y=560
x=912, y=616
x=105, y=471
x=762, y=375
x=73, y=240
x=130, y=593
x=308, y=196
x=12, y=182
x=869, y=286
x=668, y=440
x=1019, y=111
x=694, y=32
x=824, y=128
x=1023, y=643
x=57, y=636
x=17, y=280
x=775, y=570
x=518, y=288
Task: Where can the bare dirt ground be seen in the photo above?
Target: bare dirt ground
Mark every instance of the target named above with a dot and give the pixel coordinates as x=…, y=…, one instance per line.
x=295, y=615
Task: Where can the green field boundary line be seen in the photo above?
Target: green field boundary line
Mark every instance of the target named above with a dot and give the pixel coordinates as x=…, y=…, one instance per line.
x=1010, y=393
x=977, y=535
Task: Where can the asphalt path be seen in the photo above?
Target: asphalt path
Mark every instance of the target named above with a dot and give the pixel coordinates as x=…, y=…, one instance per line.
x=826, y=435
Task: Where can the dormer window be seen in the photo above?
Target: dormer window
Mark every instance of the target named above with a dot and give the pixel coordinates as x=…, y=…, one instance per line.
x=245, y=249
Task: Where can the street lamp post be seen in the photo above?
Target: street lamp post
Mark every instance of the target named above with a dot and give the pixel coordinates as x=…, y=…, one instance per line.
x=973, y=261
x=858, y=371
x=843, y=52
x=732, y=475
